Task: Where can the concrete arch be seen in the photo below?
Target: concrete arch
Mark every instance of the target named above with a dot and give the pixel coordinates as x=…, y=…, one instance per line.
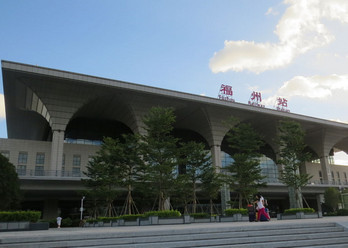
x=103, y=111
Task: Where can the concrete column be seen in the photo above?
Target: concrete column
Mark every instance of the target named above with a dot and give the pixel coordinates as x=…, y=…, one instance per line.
x=225, y=191
x=326, y=169
x=216, y=156
x=57, y=151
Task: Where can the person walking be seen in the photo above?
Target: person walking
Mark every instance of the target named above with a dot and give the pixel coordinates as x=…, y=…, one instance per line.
x=261, y=208
x=59, y=221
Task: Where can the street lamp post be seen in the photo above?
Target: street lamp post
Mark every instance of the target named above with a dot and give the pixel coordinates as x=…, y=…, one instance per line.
x=81, y=209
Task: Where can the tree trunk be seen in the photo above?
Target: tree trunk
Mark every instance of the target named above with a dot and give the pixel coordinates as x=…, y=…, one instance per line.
x=240, y=200
x=194, y=199
x=129, y=200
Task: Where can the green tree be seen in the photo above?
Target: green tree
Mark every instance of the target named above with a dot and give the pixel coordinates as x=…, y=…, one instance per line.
x=332, y=198
x=212, y=182
x=131, y=165
x=9, y=185
x=160, y=153
x=195, y=160
x=182, y=193
x=292, y=154
x=103, y=173
x=244, y=174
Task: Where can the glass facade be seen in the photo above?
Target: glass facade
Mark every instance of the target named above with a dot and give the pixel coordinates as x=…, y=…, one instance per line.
x=268, y=168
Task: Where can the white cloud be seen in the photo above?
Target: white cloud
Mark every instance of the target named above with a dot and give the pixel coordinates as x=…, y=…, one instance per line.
x=341, y=158
x=2, y=107
x=271, y=11
x=315, y=87
x=299, y=30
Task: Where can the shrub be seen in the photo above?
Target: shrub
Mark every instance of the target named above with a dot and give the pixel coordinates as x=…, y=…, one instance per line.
x=200, y=215
x=130, y=217
x=66, y=222
x=163, y=213
x=342, y=212
x=232, y=211
x=91, y=220
x=107, y=219
x=297, y=210
x=31, y=216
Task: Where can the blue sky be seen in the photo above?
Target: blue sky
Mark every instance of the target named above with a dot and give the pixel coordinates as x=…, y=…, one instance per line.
x=293, y=49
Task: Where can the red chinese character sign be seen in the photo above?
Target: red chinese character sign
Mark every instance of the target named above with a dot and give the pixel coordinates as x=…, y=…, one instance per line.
x=282, y=104
x=226, y=93
x=256, y=99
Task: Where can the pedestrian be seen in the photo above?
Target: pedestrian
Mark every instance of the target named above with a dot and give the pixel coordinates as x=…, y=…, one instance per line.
x=59, y=221
x=261, y=207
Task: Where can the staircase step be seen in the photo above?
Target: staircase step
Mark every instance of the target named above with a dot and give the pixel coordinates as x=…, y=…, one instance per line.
x=277, y=235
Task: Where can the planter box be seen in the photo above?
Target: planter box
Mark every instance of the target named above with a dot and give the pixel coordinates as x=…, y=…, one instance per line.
x=170, y=221
x=145, y=221
x=130, y=222
x=14, y=225
x=107, y=223
x=187, y=219
x=234, y=218
x=153, y=220
x=23, y=226
x=226, y=218
x=39, y=226
x=202, y=220
x=299, y=215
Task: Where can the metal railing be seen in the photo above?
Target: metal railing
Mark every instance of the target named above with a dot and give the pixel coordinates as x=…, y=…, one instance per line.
x=74, y=174
x=49, y=173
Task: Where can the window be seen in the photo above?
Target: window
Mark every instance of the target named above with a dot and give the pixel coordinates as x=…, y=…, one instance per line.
x=6, y=154
x=40, y=158
x=345, y=177
x=338, y=177
x=21, y=170
x=226, y=159
x=333, y=177
x=76, y=172
x=63, y=160
x=39, y=170
x=22, y=158
x=77, y=160
x=269, y=169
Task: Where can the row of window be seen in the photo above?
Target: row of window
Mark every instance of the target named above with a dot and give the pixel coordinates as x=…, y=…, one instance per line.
x=39, y=170
x=40, y=158
x=336, y=179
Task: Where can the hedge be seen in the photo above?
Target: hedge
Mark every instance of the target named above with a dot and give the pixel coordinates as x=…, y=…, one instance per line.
x=297, y=210
x=200, y=215
x=132, y=217
x=232, y=211
x=342, y=212
x=163, y=213
x=31, y=216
